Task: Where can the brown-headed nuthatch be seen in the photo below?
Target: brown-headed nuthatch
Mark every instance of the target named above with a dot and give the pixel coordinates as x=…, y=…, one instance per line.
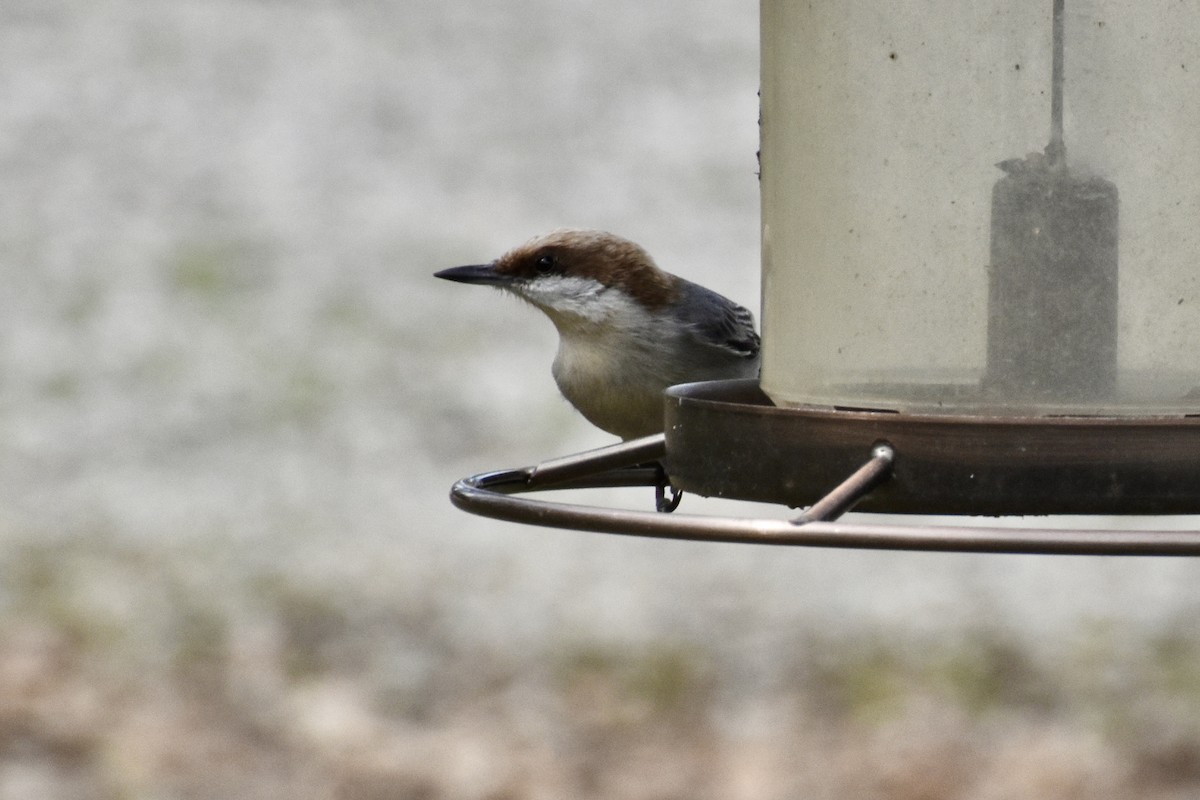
x=626, y=329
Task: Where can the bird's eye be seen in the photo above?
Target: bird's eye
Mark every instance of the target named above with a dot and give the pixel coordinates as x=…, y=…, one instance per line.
x=544, y=264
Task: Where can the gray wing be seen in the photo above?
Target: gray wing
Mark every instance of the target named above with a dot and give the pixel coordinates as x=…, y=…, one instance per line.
x=717, y=320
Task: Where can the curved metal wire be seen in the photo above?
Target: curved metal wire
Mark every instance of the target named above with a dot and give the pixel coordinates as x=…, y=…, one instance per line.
x=491, y=494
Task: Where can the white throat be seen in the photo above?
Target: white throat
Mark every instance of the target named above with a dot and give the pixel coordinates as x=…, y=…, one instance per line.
x=575, y=302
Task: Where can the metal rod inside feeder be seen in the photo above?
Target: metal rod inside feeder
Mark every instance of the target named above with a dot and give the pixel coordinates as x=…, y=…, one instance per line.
x=1052, y=280
x=1056, y=151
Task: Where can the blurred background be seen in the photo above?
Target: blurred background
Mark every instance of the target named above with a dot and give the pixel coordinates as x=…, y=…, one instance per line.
x=233, y=400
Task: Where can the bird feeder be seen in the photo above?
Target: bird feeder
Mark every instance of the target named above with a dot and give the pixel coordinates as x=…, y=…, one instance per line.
x=981, y=294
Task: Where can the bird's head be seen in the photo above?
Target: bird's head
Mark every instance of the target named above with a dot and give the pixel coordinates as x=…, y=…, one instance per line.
x=574, y=274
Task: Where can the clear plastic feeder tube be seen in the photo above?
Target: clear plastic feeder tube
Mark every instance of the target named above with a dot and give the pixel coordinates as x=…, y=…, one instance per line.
x=982, y=208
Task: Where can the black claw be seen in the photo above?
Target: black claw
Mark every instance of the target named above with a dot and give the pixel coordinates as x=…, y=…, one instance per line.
x=661, y=503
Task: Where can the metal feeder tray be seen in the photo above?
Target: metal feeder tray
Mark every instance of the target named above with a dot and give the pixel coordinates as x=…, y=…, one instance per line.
x=725, y=438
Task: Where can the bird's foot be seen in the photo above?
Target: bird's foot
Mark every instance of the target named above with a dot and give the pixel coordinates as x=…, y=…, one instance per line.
x=661, y=503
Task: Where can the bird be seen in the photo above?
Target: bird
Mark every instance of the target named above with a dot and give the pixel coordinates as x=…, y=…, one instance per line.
x=626, y=328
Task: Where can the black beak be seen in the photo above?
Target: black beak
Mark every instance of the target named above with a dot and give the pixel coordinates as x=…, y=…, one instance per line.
x=484, y=274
